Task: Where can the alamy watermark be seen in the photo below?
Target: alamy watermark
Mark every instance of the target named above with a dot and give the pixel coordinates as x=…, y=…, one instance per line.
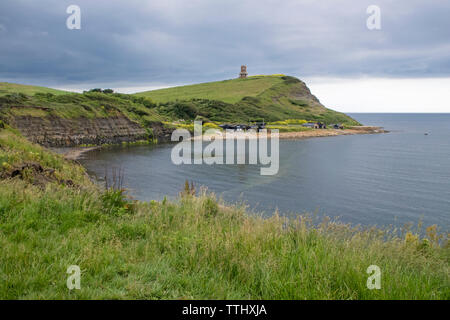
x=374, y=20
x=374, y=280
x=222, y=148
x=74, y=280
x=73, y=22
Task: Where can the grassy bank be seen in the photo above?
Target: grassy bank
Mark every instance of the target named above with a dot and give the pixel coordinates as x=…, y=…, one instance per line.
x=76, y=105
x=192, y=247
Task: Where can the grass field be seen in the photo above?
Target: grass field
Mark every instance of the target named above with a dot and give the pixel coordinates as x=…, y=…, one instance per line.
x=195, y=247
x=229, y=91
x=8, y=88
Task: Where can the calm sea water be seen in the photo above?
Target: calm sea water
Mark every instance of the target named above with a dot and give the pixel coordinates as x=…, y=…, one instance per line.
x=380, y=179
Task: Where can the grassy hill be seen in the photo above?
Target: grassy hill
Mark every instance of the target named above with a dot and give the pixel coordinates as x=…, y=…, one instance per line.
x=9, y=88
x=229, y=91
x=273, y=98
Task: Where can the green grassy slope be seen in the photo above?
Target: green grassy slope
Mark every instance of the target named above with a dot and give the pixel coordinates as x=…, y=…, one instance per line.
x=76, y=105
x=8, y=88
x=229, y=91
x=270, y=97
x=191, y=248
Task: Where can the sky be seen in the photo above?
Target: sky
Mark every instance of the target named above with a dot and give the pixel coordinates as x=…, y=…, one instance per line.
x=136, y=45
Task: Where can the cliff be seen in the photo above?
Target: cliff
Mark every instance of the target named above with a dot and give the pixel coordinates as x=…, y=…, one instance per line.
x=53, y=131
x=71, y=119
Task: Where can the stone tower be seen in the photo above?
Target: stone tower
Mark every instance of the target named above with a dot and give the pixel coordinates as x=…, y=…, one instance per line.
x=243, y=73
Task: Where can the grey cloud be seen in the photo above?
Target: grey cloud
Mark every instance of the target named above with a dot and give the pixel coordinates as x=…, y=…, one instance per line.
x=175, y=41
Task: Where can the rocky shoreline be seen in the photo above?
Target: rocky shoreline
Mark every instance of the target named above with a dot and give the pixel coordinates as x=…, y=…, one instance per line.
x=69, y=135
x=315, y=133
x=77, y=152
x=331, y=132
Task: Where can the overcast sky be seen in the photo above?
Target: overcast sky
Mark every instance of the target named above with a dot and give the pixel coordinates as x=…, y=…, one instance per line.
x=132, y=45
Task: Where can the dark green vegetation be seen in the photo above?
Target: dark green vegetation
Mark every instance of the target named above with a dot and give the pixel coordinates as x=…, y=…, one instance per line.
x=76, y=105
x=271, y=98
x=52, y=216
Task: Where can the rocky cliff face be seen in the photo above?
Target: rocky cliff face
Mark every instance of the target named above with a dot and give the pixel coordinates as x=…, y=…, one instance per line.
x=52, y=131
x=161, y=133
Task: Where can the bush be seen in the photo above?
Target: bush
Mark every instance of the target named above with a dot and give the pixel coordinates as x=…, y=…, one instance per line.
x=13, y=98
x=137, y=111
x=44, y=96
x=252, y=100
x=210, y=125
x=290, y=80
x=288, y=122
x=69, y=98
x=146, y=102
x=210, y=207
x=300, y=103
x=115, y=202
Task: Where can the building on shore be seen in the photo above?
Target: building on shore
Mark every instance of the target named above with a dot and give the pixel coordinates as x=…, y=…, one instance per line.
x=311, y=125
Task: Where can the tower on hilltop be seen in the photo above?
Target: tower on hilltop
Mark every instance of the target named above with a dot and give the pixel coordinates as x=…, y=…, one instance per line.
x=243, y=73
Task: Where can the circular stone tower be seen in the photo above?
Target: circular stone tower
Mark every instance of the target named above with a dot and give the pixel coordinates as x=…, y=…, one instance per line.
x=243, y=73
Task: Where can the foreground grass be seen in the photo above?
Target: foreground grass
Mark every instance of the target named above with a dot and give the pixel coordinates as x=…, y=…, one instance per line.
x=193, y=247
